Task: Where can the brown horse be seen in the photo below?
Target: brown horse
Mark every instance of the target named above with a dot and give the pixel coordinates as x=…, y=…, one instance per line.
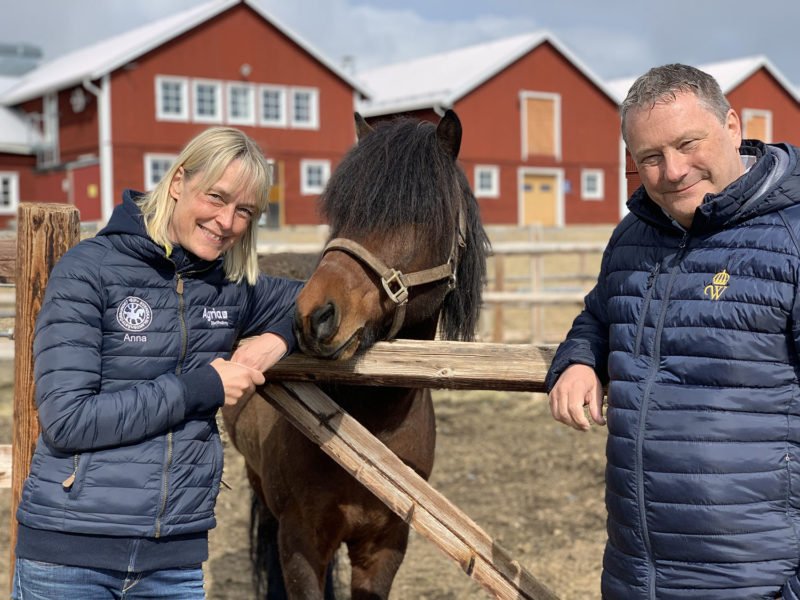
x=407, y=255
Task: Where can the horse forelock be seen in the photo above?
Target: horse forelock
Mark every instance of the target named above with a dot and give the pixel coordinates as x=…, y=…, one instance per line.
x=394, y=176
x=399, y=175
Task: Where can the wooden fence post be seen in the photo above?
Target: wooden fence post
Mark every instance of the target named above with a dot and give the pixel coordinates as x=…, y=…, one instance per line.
x=44, y=233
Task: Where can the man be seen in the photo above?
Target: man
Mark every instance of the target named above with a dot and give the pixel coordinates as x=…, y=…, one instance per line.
x=695, y=325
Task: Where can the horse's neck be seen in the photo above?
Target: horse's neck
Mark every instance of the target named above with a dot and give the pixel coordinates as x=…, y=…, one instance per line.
x=424, y=330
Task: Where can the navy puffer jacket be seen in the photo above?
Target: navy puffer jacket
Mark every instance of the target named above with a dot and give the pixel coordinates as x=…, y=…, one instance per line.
x=697, y=333
x=126, y=396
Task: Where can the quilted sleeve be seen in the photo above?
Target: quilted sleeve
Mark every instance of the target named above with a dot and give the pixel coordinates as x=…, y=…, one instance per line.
x=587, y=341
x=271, y=308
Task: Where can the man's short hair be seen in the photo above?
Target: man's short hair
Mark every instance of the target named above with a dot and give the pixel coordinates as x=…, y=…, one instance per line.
x=662, y=84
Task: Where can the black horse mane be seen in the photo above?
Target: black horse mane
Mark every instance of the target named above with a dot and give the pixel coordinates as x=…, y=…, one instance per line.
x=399, y=175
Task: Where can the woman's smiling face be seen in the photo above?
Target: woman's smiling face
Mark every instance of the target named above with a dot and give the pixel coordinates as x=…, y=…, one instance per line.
x=208, y=222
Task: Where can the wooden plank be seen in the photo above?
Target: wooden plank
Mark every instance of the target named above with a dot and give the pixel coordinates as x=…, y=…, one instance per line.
x=5, y=466
x=540, y=248
x=403, y=491
x=8, y=259
x=533, y=298
x=429, y=364
x=45, y=233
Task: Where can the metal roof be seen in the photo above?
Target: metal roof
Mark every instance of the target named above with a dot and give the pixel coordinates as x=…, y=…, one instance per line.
x=439, y=80
x=101, y=58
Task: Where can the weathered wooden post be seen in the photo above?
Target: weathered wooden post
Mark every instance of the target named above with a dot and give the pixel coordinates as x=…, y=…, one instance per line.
x=44, y=233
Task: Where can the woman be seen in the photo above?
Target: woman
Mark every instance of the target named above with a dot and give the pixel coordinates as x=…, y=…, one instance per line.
x=130, y=364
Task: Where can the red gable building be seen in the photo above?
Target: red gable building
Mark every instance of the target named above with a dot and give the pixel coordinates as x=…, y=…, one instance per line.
x=113, y=115
x=541, y=133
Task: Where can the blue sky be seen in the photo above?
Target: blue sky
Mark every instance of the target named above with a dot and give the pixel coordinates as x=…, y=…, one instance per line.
x=613, y=38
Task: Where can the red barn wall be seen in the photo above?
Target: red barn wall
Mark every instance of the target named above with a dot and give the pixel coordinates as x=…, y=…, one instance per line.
x=589, y=135
x=208, y=51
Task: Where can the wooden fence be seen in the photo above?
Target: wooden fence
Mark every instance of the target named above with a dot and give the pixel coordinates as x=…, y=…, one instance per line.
x=47, y=231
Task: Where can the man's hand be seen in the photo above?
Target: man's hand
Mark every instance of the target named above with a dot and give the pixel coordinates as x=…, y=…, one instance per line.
x=578, y=386
x=260, y=352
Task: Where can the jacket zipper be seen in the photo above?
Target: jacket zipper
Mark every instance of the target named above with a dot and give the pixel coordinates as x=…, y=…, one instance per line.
x=168, y=462
x=69, y=481
x=651, y=280
x=682, y=249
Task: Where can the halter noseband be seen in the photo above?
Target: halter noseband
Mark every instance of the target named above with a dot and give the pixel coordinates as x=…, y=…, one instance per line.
x=396, y=283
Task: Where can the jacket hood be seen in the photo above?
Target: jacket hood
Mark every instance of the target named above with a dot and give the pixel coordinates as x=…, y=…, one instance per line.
x=761, y=190
x=126, y=227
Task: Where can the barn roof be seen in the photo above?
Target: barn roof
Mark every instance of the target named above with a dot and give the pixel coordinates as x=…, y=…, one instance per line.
x=729, y=74
x=439, y=80
x=101, y=58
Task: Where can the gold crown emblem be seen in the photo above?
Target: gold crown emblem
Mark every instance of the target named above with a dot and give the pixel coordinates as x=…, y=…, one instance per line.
x=721, y=278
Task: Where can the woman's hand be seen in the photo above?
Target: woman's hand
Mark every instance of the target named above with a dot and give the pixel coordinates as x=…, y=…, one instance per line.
x=260, y=352
x=238, y=380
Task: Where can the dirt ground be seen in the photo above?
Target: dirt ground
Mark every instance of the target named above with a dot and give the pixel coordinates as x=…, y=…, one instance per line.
x=534, y=486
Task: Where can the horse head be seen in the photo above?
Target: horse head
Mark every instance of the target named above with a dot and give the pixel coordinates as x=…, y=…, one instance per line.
x=406, y=245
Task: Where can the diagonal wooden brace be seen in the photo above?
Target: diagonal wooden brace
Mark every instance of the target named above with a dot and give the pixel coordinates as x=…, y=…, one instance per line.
x=347, y=442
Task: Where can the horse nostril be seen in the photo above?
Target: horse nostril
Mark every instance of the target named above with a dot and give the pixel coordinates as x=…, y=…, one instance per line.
x=324, y=322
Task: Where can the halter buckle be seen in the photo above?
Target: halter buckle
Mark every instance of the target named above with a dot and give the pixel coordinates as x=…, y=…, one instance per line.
x=398, y=293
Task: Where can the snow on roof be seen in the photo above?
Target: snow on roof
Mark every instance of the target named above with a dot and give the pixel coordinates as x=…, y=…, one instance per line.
x=92, y=62
x=729, y=74
x=441, y=79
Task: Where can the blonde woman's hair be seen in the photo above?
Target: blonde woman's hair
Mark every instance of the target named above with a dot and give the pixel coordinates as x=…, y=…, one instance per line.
x=207, y=156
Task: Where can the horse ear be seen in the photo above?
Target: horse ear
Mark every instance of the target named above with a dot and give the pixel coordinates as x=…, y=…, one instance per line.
x=448, y=132
x=362, y=127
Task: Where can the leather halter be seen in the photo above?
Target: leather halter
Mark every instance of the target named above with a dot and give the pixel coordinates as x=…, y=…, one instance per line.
x=396, y=283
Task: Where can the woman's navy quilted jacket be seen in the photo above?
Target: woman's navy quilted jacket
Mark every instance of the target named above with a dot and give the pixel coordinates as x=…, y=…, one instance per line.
x=129, y=444
x=698, y=332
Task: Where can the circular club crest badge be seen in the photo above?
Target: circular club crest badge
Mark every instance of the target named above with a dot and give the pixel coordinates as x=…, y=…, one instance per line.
x=134, y=314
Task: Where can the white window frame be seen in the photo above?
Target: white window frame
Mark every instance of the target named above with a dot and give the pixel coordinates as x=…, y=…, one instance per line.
x=149, y=184
x=748, y=113
x=13, y=179
x=494, y=173
x=313, y=122
x=307, y=189
x=183, y=82
x=600, y=192
x=251, y=90
x=282, y=120
x=217, y=116
x=556, y=98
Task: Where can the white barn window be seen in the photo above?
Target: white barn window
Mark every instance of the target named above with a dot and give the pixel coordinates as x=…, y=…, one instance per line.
x=314, y=175
x=305, y=108
x=241, y=104
x=172, y=98
x=273, y=106
x=487, y=181
x=207, y=101
x=9, y=192
x=592, y=184
x=155, y=167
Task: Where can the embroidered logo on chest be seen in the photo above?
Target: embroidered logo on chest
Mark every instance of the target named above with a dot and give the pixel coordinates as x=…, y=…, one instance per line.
x=216, y=317
x=134, y=314
x=717, y=286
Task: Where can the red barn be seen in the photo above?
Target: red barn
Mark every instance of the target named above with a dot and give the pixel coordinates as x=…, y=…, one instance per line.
x=541, y=136
x=767, y=104
x=114, y=114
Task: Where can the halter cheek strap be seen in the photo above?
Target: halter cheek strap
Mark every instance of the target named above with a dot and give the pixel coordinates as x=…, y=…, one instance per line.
x=395, y=283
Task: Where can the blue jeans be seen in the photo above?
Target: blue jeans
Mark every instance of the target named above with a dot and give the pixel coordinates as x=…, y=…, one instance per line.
x=34, y=580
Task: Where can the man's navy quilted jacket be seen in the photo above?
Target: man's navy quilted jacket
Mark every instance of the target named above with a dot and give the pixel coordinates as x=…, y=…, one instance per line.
x=697, y=333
